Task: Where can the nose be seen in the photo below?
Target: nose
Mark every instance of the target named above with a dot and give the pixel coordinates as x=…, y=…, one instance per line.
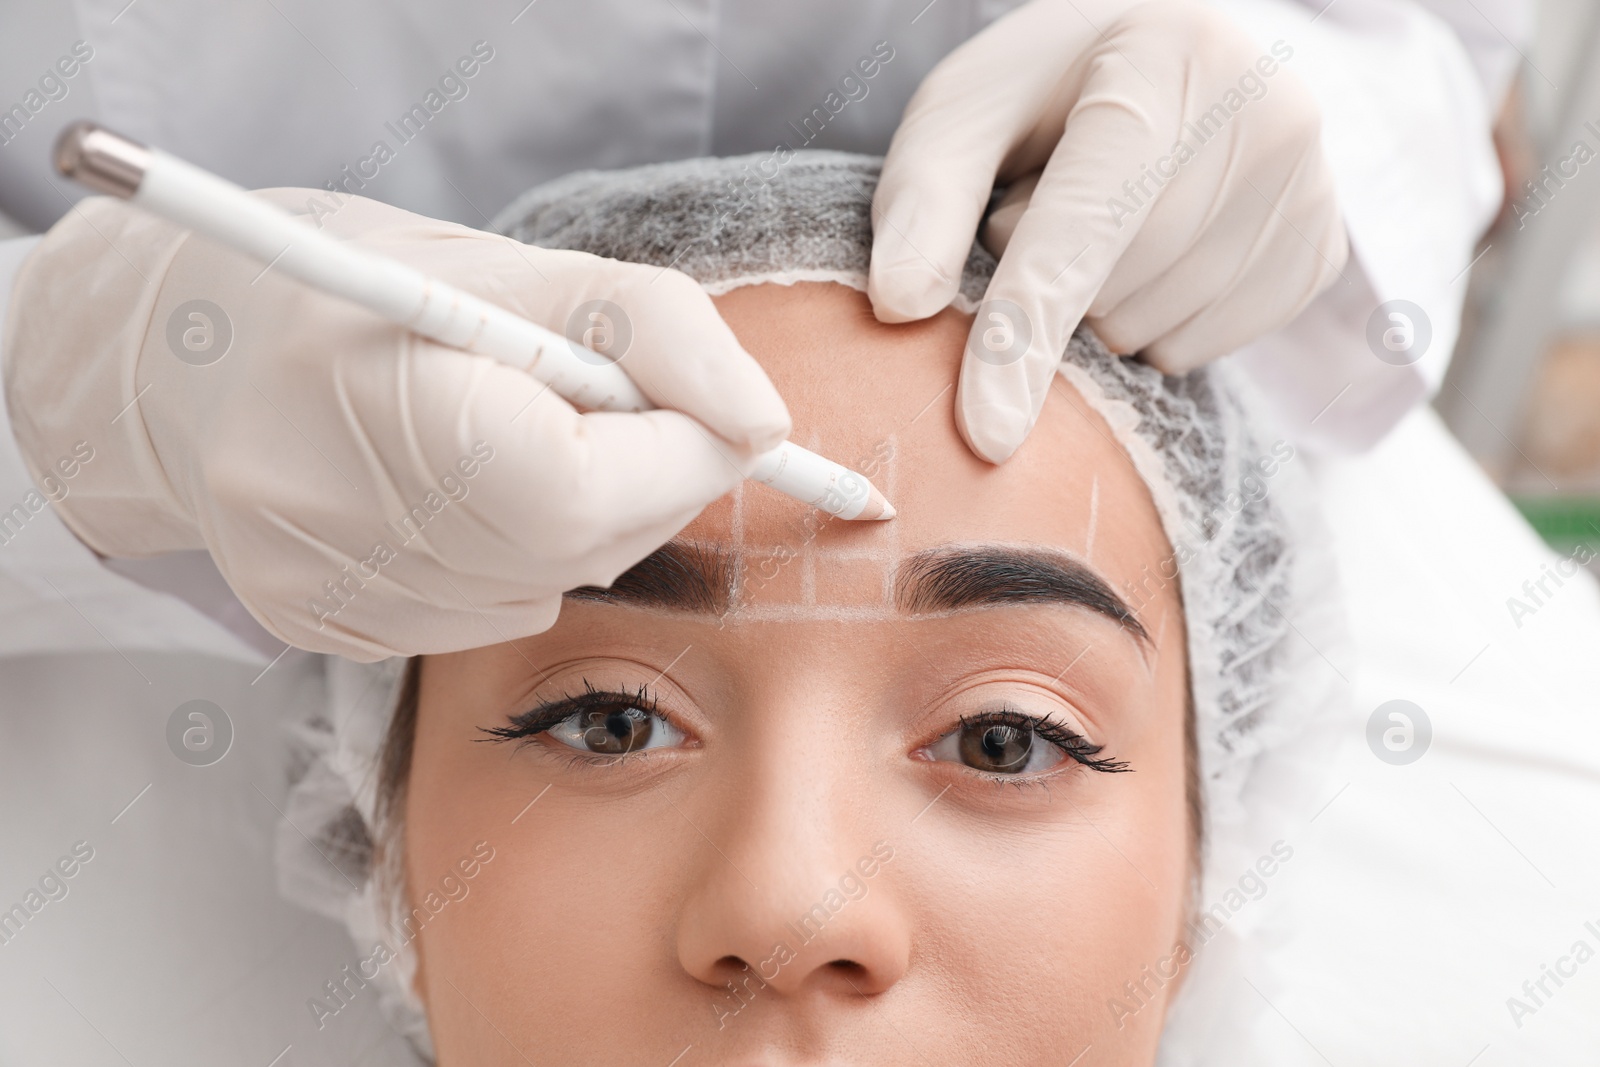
x=794, y=898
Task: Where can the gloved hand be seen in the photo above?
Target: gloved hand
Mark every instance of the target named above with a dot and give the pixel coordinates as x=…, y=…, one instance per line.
x=364, y=491
x=1180, y=254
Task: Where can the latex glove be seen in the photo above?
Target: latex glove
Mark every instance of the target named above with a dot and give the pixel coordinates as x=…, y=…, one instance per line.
x=1076, y=102
x=366, y=492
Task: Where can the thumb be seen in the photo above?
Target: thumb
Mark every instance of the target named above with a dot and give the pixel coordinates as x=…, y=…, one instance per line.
x=661, y=327
x=1061, y=247
x=571, y=491
x=964, y=122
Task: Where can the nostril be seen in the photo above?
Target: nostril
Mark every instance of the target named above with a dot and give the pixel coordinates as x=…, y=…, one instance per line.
x=849, y=969
x=736, y=976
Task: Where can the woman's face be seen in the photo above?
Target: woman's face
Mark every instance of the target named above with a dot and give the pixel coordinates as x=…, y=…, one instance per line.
x=911, y=793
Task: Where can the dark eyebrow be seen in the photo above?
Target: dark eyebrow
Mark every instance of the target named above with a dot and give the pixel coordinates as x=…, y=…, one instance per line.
x=952, y=578
x=678, y=576
x=703, y=579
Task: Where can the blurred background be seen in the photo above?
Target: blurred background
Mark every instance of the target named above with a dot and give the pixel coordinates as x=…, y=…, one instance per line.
x=1523, y=392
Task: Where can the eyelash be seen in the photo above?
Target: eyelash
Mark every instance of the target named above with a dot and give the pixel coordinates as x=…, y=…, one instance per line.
x=528, y=725
x=543, y=717
x=1078, y=748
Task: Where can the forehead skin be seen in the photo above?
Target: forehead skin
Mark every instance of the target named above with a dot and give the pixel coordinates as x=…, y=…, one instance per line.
x=887, y=409
x=1008, y=920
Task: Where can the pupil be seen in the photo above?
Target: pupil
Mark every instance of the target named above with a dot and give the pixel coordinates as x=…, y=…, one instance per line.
x=616, y=731
x=996, y=748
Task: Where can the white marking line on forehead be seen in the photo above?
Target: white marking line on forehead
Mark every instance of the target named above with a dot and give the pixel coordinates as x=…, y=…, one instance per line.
x=814, y=613
x=891, y=479
x=808, y=551
x=808, y=575
x=886, y=553
x=840, y=553
x=1094, y=519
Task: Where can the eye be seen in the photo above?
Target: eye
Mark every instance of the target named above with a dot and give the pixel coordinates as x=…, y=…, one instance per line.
x=997, y=747
x=1013, y=743
x=616, y=728
x=595, y=722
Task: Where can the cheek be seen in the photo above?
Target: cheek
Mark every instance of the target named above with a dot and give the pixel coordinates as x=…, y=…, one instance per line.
x=1046, y=938
x=571, y=913
x=565, y=910
x=1046, y=925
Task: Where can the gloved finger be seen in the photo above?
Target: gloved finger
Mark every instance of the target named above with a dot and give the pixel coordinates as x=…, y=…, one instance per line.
x=1060, y=253
x=922, y=228
x=662, y=329
x=626, y=475
x=1003, y=218
x=1174, y=224
x=657, y=324
x=685, y=357
x=1274, y=288
x=962, y=125
x=1271, y=246
x=1143, y=297
x=566, y=485
x=1142, y=301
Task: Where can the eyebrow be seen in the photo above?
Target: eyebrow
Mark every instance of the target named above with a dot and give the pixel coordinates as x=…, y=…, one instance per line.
x=687, y=576
x=703, y=579
x=961, y=577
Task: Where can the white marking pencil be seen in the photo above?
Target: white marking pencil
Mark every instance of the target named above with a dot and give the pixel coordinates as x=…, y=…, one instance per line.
x=189, y=196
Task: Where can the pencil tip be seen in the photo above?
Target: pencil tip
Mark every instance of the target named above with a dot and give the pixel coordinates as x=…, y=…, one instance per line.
x=877, y=508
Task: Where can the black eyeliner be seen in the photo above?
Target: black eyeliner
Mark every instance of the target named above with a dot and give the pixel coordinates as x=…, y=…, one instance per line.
x=538, y=719
x=1077, y=747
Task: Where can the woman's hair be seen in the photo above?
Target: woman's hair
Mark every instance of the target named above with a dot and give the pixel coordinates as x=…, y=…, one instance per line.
x=394, y=772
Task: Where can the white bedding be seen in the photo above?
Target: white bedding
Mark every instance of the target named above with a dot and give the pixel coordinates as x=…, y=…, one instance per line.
x=1423, y=896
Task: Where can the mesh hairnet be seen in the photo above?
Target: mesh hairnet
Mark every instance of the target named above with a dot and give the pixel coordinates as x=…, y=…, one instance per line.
x=1221, y=489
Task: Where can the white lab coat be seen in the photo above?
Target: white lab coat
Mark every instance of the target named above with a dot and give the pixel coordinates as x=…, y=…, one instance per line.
x=292, y=92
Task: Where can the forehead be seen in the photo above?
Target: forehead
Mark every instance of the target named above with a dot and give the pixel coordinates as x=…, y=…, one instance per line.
x=881, y=399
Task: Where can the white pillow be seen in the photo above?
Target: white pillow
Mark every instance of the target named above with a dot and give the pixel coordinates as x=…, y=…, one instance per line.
x=1421, y=897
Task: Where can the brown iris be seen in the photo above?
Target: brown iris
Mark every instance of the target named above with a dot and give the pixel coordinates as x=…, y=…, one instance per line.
x=615, y=729
x=995, y=747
